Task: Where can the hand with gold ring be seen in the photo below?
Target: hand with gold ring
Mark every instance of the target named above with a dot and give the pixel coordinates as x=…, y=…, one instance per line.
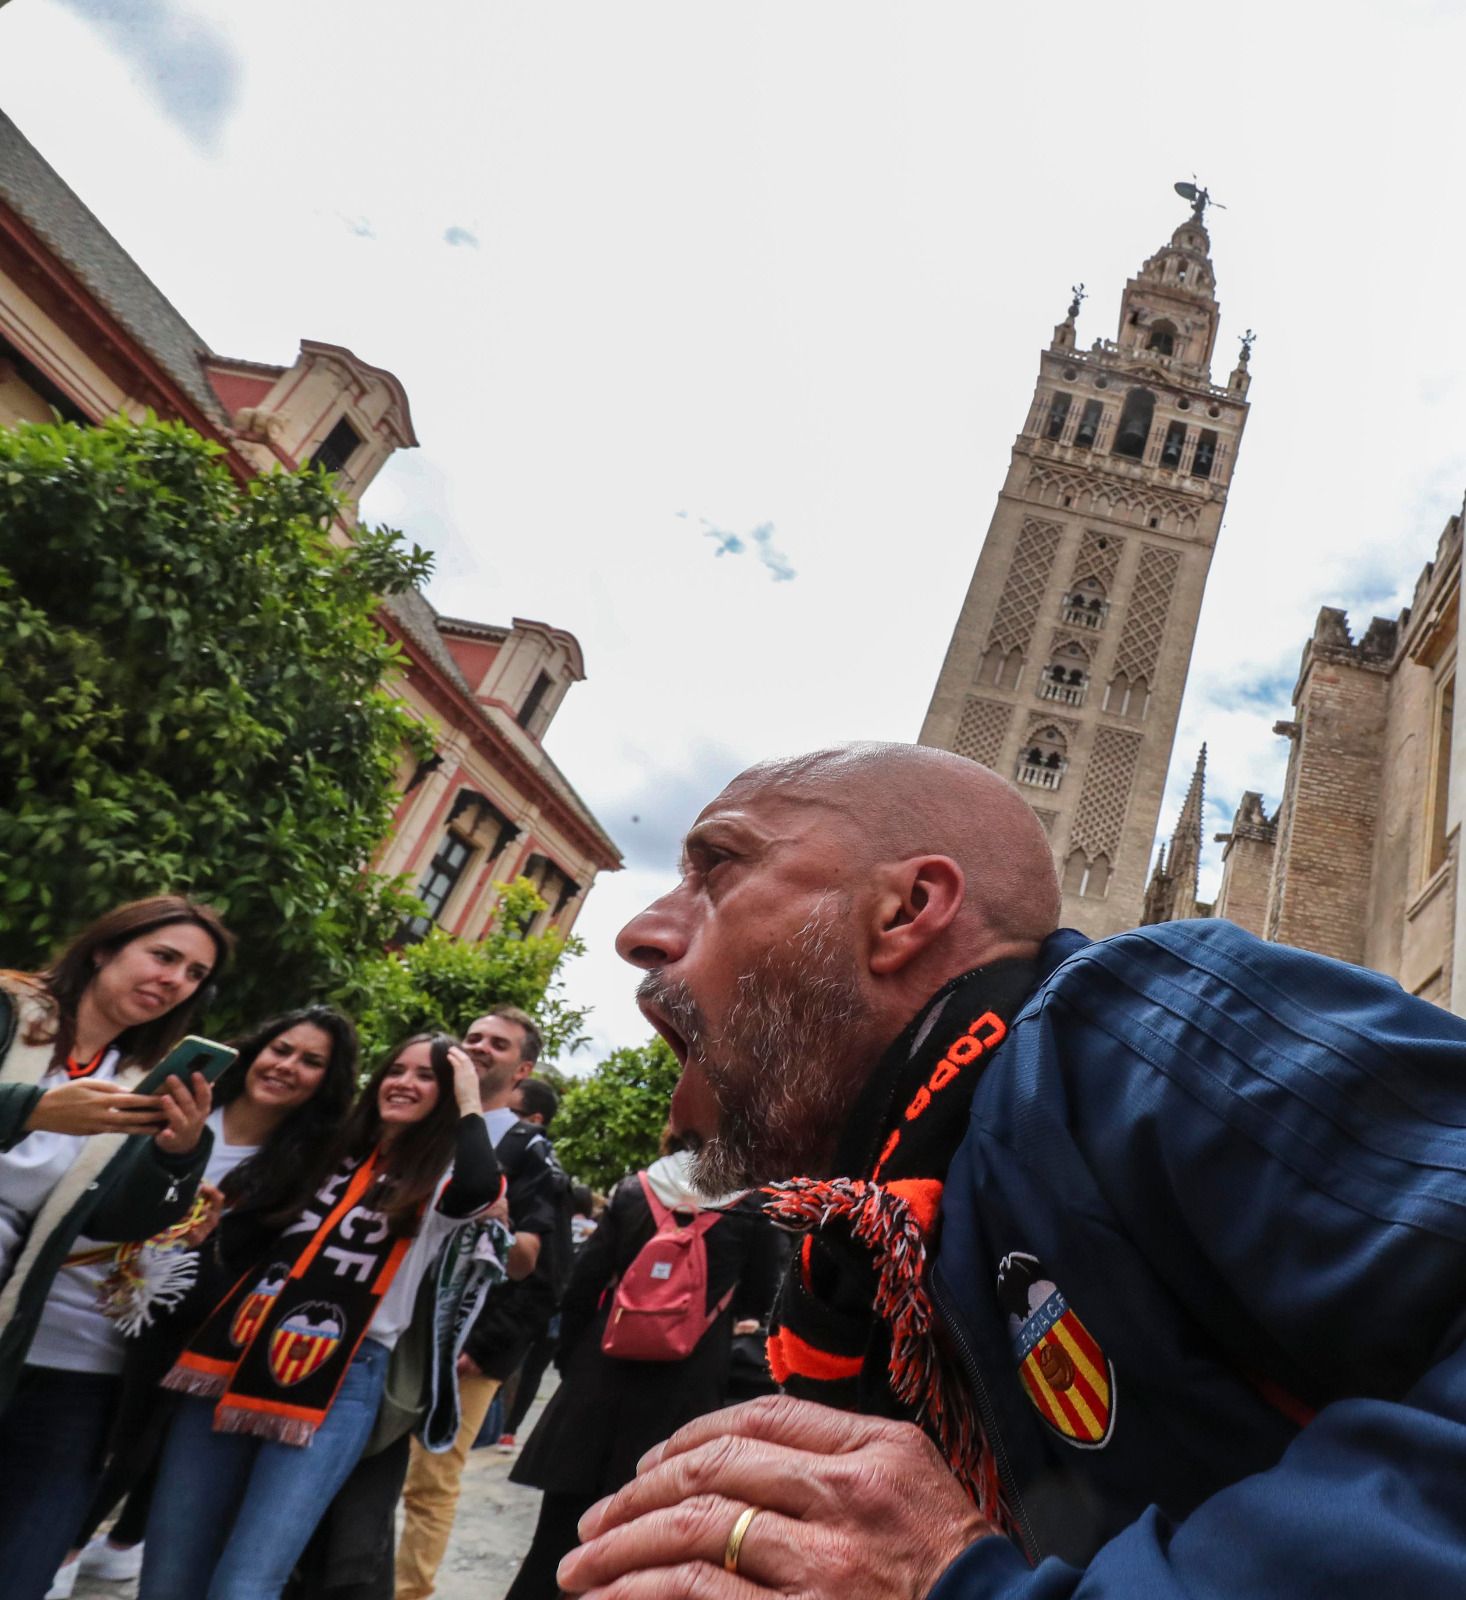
x=735, y=1539
x=778, y=1496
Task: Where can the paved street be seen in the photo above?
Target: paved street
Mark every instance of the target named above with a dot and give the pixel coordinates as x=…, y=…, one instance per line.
x=495, y=1523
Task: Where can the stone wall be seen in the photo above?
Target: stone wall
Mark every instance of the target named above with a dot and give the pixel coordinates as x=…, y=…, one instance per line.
x=1342, y=698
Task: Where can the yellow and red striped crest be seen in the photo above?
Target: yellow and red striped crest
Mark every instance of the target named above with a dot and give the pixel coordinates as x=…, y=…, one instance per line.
x=255, y=1306
x=1061, y=1366
x=304, y=1342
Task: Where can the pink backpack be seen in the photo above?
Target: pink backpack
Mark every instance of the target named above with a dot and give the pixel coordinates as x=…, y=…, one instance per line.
x=658, y=1312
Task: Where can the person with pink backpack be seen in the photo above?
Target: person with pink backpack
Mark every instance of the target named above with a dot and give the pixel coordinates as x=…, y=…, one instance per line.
x=646, y=1331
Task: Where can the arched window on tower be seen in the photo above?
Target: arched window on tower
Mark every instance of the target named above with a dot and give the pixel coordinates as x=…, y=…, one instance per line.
x=1162, y=338
x=1043, y=760
x=1058, y=415
x=1091, y=879
x=1089, y=422
x=1127, y=697
x=1085, y=605
x=1206, y=453
x=1174, y=445
x=1066, y=678
x=1001, y=667
x=1134, y=428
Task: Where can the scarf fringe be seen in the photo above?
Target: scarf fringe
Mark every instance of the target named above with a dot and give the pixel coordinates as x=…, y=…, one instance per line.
x=279, y=1430
x=885, y=1223
x=202, y=1385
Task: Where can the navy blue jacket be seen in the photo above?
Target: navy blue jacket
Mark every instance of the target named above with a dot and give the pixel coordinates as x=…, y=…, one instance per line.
x=1236, y=1174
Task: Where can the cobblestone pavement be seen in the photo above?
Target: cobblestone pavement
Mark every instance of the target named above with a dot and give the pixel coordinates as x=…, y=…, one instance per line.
x=495, y=1523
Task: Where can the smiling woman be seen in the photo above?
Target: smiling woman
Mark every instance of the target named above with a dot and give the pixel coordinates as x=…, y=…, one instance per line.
x=276, y=1118
x=82, y=1155
x=296, y=1353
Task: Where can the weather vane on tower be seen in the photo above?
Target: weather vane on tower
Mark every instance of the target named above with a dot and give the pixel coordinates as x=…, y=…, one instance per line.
x=1200, y=198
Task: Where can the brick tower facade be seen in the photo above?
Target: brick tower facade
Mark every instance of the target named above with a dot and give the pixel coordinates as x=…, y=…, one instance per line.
x=1069, y=658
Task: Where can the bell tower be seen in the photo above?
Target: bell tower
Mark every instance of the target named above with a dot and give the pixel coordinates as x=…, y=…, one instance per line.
x=1069, y=657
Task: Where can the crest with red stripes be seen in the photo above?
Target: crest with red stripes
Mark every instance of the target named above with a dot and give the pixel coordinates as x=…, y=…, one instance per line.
x=255, y=1306
x=305, y=1342
x=1061, y=1366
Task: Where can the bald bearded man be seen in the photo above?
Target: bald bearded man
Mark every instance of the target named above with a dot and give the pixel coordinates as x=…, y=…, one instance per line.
x=1142, y=1261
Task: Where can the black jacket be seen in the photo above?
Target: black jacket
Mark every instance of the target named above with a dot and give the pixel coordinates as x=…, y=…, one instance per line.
x=607, y=1412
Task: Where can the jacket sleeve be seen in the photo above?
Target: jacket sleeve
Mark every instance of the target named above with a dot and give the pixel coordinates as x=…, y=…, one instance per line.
x=1284, y=1139
x=17, y=1100
x=1364, y=1503
x=153, y=1192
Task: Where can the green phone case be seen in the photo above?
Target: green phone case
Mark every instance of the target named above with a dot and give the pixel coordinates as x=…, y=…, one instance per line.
x=188, y=1056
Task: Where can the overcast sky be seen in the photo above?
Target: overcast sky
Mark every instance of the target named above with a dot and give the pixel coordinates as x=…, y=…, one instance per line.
x=718, y=321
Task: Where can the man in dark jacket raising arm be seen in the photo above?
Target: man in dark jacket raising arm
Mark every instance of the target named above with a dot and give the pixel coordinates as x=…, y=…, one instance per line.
x=1142, y=1260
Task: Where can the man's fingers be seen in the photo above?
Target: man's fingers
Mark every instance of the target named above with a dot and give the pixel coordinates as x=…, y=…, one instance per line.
x=692, y=1580
x=801, y=1424
x=738, y=1468
x=695, y=1530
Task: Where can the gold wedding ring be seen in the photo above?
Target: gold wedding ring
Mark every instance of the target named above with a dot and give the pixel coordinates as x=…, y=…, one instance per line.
x=736, y=1538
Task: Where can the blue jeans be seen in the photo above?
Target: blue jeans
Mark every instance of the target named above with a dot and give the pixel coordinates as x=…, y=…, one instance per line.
x=231, y=1513
x=52, y=1438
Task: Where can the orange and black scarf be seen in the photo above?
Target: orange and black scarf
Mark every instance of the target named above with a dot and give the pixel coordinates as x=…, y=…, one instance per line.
x=275, y=1349
x=854, y=1326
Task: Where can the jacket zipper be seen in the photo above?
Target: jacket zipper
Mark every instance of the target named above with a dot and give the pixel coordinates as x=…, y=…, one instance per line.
x=952, y=1327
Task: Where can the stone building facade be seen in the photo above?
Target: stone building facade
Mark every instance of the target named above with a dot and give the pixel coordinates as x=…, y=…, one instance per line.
x=84, y=333
x=1068, y=661
x=1360, y=859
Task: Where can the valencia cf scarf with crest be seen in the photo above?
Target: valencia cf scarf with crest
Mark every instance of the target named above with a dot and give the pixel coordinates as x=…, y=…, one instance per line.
x=275, y=1349
x=854, y=1326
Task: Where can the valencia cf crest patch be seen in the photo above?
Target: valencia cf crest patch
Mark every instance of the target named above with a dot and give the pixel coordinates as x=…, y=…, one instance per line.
x=305, y=1341
x=255, y=1306
x=1063, y=1370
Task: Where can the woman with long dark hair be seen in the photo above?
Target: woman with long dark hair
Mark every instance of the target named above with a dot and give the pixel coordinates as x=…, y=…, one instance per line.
x=277, y=1113
x=296, y=1353
x=84, y=1161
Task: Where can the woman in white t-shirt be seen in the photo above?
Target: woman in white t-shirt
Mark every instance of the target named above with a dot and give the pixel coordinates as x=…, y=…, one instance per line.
x=277, y=1114
x=81, y=1153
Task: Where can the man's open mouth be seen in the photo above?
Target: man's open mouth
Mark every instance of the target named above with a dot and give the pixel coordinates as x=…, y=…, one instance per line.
x=664, y=1025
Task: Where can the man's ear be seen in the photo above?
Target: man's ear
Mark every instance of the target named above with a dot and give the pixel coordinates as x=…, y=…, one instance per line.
x=916, y=904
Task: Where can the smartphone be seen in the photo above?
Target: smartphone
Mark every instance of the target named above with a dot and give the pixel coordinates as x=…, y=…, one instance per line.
x=188, y=1056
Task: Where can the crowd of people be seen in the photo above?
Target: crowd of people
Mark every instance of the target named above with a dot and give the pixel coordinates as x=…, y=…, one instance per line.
x=240, y=1322
x=1093, y=1269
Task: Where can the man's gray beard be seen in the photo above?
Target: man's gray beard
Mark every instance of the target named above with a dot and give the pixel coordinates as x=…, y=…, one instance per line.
x=785, y=1066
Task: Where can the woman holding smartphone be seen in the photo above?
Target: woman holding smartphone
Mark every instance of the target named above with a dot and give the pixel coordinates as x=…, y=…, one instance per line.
x=296, y=1353
x=80, y=1154
x=277, y=1112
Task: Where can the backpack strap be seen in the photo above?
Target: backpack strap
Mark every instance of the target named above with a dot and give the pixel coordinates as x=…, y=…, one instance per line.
x=702, y=1218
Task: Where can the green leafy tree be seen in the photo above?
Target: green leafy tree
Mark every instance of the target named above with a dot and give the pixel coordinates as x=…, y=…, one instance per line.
x=611, y=1122
x=441, y=984
x=193, y=701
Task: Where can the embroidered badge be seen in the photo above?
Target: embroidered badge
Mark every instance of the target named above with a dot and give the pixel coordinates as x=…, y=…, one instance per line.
x=255, y=1306
x=305, y=1341
x=1060, y=1364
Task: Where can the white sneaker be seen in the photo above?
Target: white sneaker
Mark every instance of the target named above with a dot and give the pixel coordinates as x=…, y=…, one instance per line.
x=64, y=1581
x=104, y=1560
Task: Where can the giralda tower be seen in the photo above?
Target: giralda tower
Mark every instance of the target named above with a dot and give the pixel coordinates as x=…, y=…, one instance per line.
x=1069, y=658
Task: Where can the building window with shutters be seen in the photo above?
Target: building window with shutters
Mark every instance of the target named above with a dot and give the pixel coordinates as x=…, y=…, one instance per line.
x=532, y=701
x=437, y=886
x=337, y=448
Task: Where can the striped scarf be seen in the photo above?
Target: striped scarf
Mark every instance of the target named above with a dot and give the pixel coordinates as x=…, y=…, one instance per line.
x=854, y=1327
x=276, y=1348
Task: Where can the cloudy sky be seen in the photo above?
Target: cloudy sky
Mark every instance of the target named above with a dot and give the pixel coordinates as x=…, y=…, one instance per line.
x=718, y=321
